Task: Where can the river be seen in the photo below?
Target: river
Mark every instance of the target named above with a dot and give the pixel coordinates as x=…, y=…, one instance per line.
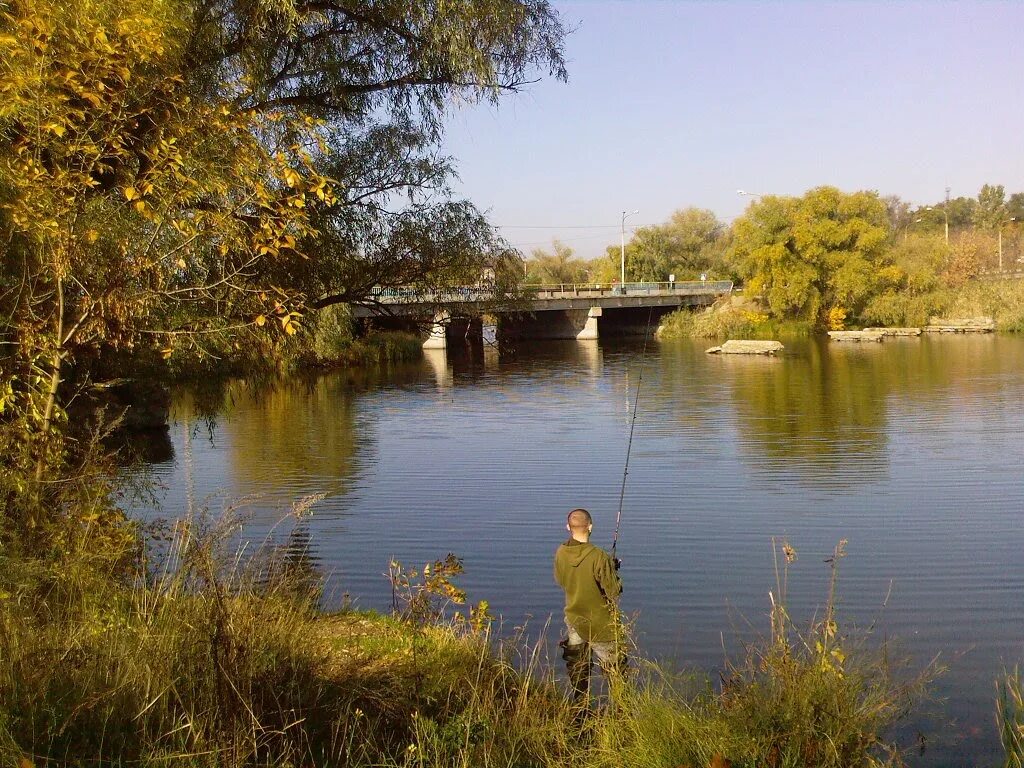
x=911, y=450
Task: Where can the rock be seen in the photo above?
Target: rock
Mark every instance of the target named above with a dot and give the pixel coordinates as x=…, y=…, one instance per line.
x=747, y=347
x=895, y=331
x=864, y=335
x=960, y=325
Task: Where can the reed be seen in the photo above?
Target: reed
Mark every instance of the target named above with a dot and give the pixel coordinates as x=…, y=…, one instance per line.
x=213, y=656
x=729, y=321
x=1010, y=717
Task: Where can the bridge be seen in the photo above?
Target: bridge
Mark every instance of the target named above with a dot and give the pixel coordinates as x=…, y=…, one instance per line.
x=557, y=311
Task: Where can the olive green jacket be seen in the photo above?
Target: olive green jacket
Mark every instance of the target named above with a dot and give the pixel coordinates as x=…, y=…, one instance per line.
x=587, y=575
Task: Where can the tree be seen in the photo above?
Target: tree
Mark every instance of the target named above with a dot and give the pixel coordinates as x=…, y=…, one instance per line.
x=962, y=212
x=920, y=261
x=991, y=209
x=900, y=213
x=688, y=244
x=171, y=171
x=557, y=266
x=1015, y=206
x=808, y=255
x=966, y=258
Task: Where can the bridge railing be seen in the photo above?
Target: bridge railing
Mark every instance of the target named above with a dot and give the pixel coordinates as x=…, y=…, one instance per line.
x=410, y=295
x=403, y=294
x=553, y=290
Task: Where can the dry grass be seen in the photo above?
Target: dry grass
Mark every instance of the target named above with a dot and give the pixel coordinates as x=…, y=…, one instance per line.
x=218, y=660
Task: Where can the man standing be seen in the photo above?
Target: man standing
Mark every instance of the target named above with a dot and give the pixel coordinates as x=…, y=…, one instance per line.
x=589, y=577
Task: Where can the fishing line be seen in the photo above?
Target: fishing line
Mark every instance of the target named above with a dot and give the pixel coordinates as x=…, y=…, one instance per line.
x=632, y=425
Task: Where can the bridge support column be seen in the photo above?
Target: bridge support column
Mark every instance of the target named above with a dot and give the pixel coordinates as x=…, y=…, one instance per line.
x=438, y=337
x=589, y=330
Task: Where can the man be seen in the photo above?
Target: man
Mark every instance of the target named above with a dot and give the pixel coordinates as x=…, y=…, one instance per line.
x=589, y=577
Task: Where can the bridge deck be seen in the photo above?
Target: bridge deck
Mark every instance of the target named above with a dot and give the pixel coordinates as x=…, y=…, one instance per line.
x=541, y=298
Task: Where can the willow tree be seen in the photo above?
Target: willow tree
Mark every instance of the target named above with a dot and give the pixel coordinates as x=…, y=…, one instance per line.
x=819, y=256
x=176, y=169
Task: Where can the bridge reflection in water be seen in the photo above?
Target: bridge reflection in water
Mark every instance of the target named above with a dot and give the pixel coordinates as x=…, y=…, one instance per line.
x=581, y=311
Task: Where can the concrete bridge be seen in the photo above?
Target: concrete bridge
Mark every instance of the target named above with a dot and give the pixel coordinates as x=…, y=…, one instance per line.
x=564, y=311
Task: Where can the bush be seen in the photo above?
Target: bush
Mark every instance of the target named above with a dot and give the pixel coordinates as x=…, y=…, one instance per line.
x=332, y=333
x=729, y=321
x=902, y=310
x=1003, y=300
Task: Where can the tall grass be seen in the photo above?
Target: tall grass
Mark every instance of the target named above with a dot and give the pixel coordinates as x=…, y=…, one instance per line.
x=214, y=658
x=333, y=341
x=1010, y=717
x=1002, y=300
x=729, y=321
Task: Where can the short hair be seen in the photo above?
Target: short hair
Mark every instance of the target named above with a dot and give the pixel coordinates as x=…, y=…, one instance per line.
x=579, y=520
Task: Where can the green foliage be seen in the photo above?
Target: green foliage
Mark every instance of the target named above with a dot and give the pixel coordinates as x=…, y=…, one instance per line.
x=920, y=261
x=556, y=267
x=191, y=178
x=690, y=243
x=1002, y=300
x=383, y=348
x=902, y=310
x=808, y=255
x=991, y=209
x=422, y=596
x=729, y=320
x=332, y=333
x=1015, y=207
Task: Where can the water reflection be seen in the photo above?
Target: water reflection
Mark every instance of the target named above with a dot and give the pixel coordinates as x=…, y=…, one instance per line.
x=819, y=414
x=437, y=360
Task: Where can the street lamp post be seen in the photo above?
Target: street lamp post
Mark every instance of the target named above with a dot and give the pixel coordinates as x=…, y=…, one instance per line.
x=1004, y=221
x=744, y=193
x=622, y=284
x=945, y=216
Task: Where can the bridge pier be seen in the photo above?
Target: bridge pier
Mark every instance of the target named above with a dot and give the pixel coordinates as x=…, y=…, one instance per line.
x=589, y=330
x=438, y=337
x=580, y=324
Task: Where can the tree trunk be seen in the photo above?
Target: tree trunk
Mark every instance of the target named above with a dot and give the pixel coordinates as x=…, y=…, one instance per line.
x=51, y=392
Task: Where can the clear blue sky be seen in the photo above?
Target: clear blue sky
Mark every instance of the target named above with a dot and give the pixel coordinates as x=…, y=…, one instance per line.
x=671, y=104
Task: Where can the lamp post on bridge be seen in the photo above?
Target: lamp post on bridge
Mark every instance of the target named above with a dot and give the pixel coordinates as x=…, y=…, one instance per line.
x=623, y=251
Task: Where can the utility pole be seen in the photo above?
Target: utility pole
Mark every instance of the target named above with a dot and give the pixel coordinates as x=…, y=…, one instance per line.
x=622, y=285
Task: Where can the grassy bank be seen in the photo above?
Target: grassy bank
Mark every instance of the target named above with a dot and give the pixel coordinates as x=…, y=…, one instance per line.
x=326, y=339
x=1002, y=300
x=213, y=660
x=729, y=319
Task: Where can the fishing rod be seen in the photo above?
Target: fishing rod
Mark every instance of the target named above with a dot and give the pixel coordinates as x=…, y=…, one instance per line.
x=632, y=426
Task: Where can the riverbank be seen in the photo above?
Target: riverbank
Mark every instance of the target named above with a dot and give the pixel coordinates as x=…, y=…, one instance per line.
x=734, y=317
x=739, y=317
x=322, y=341
x=227, y=661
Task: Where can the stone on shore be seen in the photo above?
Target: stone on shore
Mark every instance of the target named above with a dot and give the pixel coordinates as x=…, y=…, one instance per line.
x=864, y=335
x=895, y=331
x=747, y=347
x=960, y=325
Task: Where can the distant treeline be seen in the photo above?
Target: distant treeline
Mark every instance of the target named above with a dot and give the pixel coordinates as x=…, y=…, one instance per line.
x=823, y=257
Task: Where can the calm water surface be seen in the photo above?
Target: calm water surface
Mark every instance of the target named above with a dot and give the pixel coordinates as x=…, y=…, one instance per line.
x=911, y=450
